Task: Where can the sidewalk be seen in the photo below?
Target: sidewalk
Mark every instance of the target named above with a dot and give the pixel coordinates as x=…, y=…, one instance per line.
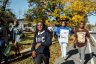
x=73, y=57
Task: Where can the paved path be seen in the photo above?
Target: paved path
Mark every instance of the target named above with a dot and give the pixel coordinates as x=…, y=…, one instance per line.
x=94, y=49
x=73, y=56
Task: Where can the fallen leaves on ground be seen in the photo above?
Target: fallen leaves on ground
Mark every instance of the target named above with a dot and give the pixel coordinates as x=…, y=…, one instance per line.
x=55, y=53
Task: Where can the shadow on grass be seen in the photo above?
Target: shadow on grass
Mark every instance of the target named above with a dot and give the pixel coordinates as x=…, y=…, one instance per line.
x=16, y=58
x=72, y=52
x=20, y=57
x=69, y=62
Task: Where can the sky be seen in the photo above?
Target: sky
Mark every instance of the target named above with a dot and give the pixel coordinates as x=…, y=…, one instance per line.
x=19, y=7
x=92, y=19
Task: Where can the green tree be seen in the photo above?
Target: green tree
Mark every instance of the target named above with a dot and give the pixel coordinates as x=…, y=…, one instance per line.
x=43, y=9
x=4, y=4
x=5, y=13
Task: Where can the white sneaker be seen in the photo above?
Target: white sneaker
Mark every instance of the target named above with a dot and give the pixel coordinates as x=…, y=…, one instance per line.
x=82, y=62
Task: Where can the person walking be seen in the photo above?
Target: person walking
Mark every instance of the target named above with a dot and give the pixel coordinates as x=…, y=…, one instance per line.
x=40, y=46
x=81, y=36
x=16, y=32
x=3, y=39
x=63, y=36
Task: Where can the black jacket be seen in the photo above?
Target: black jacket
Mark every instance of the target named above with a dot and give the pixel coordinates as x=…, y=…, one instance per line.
x=45, y=40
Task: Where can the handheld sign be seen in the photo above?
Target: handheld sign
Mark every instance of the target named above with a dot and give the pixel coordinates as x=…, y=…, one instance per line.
x=64, y=34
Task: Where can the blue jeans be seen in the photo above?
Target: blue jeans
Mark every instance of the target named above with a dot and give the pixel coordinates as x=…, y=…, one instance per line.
x=2, y=43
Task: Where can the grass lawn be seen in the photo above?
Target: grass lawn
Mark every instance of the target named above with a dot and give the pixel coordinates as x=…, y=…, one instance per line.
x=25, y=61
x=25, y=43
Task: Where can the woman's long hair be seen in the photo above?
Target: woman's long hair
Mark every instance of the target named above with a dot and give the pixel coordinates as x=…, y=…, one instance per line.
x=44, y=28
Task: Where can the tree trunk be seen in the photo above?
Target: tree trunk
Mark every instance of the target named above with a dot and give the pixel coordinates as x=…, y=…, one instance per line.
x=4, y=5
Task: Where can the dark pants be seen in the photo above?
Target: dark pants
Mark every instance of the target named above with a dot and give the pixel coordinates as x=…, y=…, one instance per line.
x=40, y=58
x=74, y=45
x=2, y=48
x=17, y=50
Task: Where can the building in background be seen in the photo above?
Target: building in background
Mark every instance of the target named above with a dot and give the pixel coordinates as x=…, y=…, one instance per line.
x=25, y=25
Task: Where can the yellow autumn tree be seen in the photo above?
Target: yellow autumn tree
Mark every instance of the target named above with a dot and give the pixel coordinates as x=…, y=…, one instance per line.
x=76, y=19
x=76, y=10
x=47, y=22
x=83, y=7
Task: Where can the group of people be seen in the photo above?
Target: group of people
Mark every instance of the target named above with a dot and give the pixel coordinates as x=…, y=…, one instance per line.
x=6, y=35
x=43, y=40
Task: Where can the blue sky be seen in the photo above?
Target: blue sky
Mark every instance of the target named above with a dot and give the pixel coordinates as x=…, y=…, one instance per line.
x=19, y=7
x=92, y=19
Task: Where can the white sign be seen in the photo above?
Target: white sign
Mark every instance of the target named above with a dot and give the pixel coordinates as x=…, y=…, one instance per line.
x=64, y=34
